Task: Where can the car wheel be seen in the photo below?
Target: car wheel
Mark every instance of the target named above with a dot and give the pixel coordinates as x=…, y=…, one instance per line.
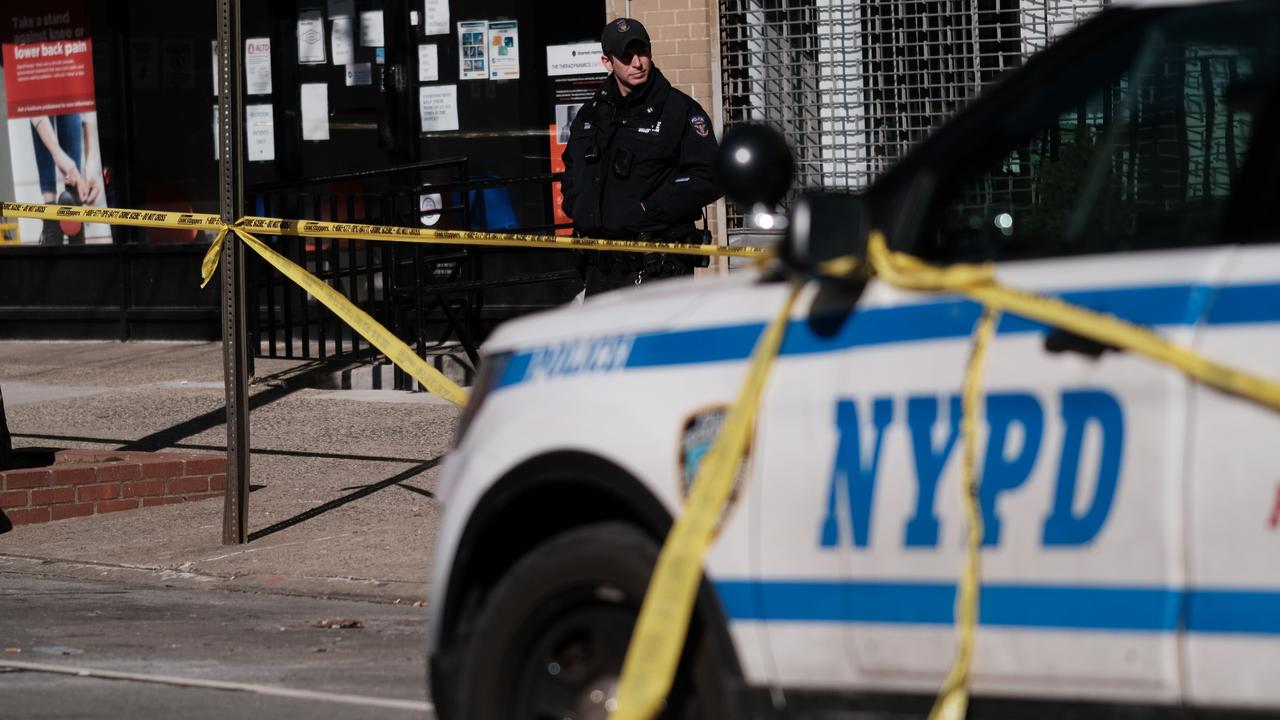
x=551, y=640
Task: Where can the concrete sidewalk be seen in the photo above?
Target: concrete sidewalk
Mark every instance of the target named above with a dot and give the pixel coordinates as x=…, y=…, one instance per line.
x=344, y=481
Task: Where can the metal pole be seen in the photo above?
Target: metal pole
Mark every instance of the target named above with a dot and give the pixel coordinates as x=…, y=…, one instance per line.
x=235, y=511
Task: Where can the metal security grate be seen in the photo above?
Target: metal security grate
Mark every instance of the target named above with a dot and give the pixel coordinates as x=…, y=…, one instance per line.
x=853, y=85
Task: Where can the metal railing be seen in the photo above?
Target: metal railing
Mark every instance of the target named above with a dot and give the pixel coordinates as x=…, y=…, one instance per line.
x=428, y=295
x=854, y=84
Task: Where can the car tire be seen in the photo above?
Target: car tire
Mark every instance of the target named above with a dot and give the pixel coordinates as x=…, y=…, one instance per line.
x=551, y=639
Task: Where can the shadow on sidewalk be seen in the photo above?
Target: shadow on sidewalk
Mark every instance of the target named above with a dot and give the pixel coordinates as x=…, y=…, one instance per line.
x=221, y=448
x=169, y=437
x=364, y=491
x=212, y=419
x=31, y=457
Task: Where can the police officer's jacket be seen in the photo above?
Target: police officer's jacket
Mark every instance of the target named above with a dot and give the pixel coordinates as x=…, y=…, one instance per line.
x=640, y=163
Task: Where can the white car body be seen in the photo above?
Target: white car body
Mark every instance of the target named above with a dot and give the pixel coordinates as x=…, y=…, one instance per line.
x=1133, y=556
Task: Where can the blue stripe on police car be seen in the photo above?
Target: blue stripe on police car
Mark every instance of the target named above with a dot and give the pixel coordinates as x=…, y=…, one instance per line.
x=1154, y=306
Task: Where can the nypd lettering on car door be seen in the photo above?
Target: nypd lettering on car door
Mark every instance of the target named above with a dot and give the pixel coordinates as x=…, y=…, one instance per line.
x=854, y=476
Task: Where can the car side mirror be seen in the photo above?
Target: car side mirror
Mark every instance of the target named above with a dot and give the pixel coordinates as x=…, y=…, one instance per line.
x=754, y=167
x=825, y=226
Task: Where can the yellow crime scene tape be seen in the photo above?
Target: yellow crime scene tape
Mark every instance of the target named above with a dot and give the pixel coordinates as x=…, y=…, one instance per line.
x=658, y=639
x=660, y=632
x=395, y=349
x=324, y=229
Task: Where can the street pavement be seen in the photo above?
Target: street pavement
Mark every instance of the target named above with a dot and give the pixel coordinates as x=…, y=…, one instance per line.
x=342, y=518
x=144, y=651
x=343, y=502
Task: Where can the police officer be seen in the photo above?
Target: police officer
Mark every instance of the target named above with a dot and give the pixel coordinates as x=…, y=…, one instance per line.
x=638, y=165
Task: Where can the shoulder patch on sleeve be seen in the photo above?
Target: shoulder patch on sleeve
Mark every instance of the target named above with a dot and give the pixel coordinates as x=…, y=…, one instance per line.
x=700, y=125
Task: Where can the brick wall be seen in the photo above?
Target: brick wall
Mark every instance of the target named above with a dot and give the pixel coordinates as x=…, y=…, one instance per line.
x=88, y=482
x=682, y=40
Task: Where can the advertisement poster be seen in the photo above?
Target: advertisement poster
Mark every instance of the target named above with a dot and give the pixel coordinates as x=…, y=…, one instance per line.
x=504, y=50
x=53, y=120
x=575, y=72
x=557, y=194
x=257, y=66
x=473, y=50
x=435, y=17
x=574, y=59
x=438, y=107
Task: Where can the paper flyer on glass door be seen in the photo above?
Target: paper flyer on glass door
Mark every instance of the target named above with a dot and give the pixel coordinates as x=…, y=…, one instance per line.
x=435, y=17
x=504, y=50
x=310, y=38
x=372, y=32
x=428, y=63
x=259, y=132
x=257, y=66
x=438, y=107
x=315, y=111
x=473, y=50
x=343, y=41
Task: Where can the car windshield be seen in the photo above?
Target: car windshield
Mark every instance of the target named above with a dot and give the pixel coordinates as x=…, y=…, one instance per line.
x=1135, y=144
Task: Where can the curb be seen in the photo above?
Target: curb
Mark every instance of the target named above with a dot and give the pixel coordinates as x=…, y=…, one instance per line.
x=375, y=590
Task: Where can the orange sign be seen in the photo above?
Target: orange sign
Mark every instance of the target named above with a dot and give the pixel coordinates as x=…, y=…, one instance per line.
x=557, y=197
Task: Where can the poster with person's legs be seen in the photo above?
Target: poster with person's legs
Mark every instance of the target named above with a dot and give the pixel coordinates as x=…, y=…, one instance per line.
x=56, y=160
x=53, y=123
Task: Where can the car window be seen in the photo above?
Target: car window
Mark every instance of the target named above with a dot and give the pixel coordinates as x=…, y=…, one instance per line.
x=1125, y=151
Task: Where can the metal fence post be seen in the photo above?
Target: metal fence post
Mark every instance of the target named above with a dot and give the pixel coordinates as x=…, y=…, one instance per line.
x=235, y=365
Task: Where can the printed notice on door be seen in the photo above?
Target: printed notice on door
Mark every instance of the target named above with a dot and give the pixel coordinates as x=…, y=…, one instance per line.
x=260, y=132
x=342, y=40
x=428, y=63
x=315, y=111
x=257, y=66
x=438, y=106
x=310, y=38
x=435, y=17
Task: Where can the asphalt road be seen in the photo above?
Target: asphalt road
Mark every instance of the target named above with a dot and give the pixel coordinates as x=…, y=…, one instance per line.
x=182, y=653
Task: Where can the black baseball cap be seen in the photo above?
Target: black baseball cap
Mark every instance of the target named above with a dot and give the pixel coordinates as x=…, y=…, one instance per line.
x=620, y=33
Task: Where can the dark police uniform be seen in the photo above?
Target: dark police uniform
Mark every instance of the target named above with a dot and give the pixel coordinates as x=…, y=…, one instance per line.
x=639, y=167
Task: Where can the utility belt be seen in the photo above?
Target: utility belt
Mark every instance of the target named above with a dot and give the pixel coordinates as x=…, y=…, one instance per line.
x=655, y=264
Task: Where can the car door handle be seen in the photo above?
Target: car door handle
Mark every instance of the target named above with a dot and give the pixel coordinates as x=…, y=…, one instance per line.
x=1059, y=341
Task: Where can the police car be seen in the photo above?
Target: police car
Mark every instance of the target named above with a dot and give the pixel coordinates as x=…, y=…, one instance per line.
x=1131, y=556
